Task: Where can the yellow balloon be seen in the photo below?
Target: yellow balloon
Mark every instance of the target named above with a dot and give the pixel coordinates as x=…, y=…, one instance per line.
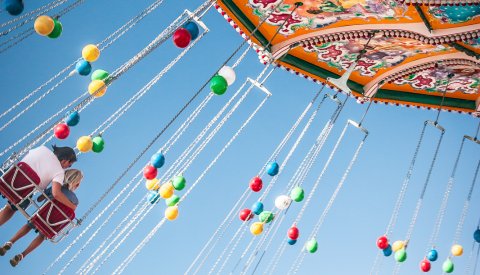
x=171, y=213
x=44, y=25
x=166, y=190
x=90, y=53
x=84, y=144
x=152, y=184
x=256, y=228
x=97, y=88
x=457, y=250
x=398, y=245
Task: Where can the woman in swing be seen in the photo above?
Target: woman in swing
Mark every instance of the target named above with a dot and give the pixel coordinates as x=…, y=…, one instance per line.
x=73, y=177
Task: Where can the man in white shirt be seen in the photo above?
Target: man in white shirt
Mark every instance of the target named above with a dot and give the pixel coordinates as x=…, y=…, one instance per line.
x=49, y=167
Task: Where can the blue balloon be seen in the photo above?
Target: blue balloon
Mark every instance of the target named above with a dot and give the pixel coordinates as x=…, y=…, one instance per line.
x=13, y=7
x=153, y=197
x=291, y=242
x=192, y=28
x=272, y=168
x=83, y=67
x=387, y=251
x=432, y=255
x=72, y=119
x=158, y=160
x=476, y=235
x=257, y=208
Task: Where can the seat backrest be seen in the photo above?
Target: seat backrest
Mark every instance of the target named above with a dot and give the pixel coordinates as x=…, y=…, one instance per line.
x=52, y=217
x=18, y=182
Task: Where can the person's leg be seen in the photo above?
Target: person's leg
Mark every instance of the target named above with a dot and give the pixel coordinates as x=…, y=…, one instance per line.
x=6, y=213
x=20, y=233
x=33, y=245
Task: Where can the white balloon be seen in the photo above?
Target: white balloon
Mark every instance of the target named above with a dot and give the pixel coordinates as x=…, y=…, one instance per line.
x=228, y=73
x=282, y=202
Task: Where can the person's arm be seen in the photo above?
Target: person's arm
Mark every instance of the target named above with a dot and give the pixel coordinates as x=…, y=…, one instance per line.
x=59, y=196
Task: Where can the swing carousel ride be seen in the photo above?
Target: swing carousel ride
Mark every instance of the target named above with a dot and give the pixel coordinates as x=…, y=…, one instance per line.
x=423, y=54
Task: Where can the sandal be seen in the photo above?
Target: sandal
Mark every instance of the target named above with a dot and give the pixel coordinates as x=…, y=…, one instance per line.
x=5, y=248
x=15, y=260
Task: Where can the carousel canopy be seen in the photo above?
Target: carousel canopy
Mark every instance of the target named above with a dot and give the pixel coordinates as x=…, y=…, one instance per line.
x=415, y=50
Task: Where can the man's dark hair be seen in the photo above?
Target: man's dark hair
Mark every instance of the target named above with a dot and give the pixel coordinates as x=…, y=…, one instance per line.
x=64, y=153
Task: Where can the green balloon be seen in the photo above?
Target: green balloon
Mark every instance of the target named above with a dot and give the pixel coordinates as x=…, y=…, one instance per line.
x=401, y=255
x=98, y=144
x=218, y=85
x=447, y=266
x=297, y=194
x=179, y=183
x=311, y=246
x=99, y=75
x=266, y=216
x=173, y=200
x=57, y=29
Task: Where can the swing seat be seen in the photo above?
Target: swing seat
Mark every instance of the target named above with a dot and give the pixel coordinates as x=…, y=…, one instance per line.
x=18, y=182
x=52, y=218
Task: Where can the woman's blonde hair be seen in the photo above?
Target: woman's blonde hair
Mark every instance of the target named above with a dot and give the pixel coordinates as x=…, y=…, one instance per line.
x=72, y=176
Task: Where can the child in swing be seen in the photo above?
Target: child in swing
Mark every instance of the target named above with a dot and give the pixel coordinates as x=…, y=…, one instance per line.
x=73, y=177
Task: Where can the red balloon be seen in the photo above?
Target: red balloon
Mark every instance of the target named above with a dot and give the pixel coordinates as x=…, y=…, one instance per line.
x=149, y=172
x=425, y=265
x=382, y=242
x=61, y=131
x=256, y=184
x=246, y=214
x=293, y=233
x=181, y=38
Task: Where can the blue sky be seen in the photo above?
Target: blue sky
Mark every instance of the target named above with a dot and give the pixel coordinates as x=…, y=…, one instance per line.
x=359, y=215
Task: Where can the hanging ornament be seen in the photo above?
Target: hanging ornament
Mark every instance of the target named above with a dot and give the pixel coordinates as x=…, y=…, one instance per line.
x=44, y=25
x=228, y=73
x=311, y=246
x=152, y=184
x=84, y=144
x=256, y=228
x=432, y=255
x=291, y=242
x=83, y=67
x=448, y=266
x=282, y=202
x=90, y=53
x=397, y=245
x=149, y=172
x=100, y=75
x=246, y=214
x=171, y=213
x=166, y=190
x=293, y=233
x=457, y=250
x=13, y=7
x=257, y=208
x=382, y=242
x=181, y=38
x=98, y=144
x=297, y=194
x=192, y=28
x=256, y=184
x=266, y=216
x=72, y=119
x=387, y=251
x=425, y=265
x=401, y=255
x=179, y=182
x=272, y=168
x=173, y=200
x=157, y=160
x=476, y=235
x=218, y=85
x=57, y=29
x=61, y=131
x=153, y=197
x=97, y=88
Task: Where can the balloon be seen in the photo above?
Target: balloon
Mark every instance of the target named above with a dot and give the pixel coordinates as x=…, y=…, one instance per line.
x=44, y=25
x=382, y=242
x=448, y=266
x=256, y=184
x=72, y=119
x=297, y=194
x=152, y=184
x=98, y=144
x=157, y=160
x=425, y=265
x=173, y=200
x=171, y=213
x=166, y=190
x=457, y=250
x=218, y=85
x=228, y=73
x=257, y=208
x=99, y=75
x=246, y=214
x=282, y=202
x=97, y=88
x=266, y=216
x=476, y=235
x=397, y=245
x=256, y=228
x=179, y=182
x=291, y=242
x=432, y=255
x=192, y=28
x=272, y=168
x=57, y=29
x=181, y=38
x=311, y=246
x=153, y=197
x=90, y=53
x=13, y=7
x=387, y=251
x=293, y=233
x=84, y=144
x=149, y=172
x=401, y=255
x=83, y=67
x=61, y=131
